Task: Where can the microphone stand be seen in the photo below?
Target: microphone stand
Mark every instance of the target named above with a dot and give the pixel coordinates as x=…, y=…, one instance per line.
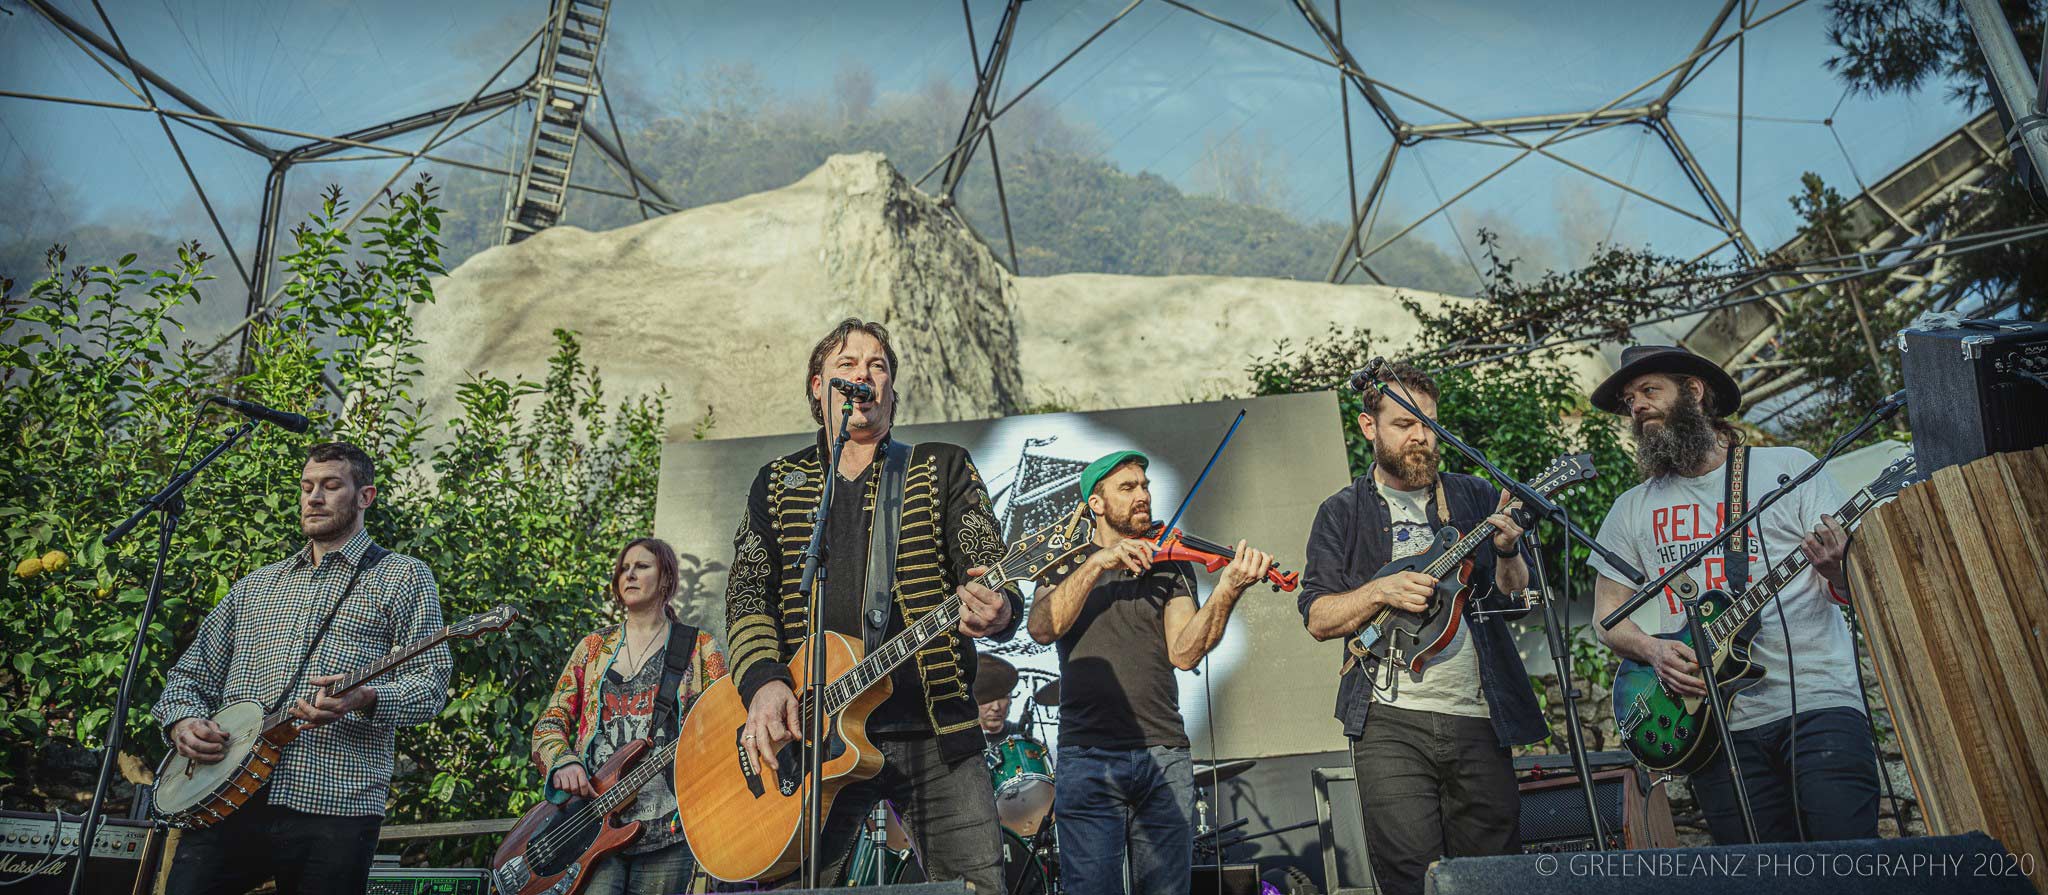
x=814, y=689
x=1690, y=596
x=169, y=502
x=1538, y=505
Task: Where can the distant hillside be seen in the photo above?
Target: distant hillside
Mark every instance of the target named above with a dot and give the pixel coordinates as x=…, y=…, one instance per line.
x=1072, y=211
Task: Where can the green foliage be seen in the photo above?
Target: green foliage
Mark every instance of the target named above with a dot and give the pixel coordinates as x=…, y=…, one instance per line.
x=1839, y=333
x=1901, y=45
x=534, y=487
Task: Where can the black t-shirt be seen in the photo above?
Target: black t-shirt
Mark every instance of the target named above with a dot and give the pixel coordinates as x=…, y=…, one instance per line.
x=846, y=575
x=1117, y=687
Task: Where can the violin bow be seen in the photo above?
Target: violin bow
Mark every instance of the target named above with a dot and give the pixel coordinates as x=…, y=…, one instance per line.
x=1164, y=533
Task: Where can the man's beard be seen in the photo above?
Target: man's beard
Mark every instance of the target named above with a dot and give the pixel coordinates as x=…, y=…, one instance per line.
x=1414, y=466
x=1680, y=445
x=1128, y=524
x=339, y=519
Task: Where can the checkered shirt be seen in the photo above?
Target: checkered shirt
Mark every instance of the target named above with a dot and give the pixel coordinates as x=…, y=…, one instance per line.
x=256, y=635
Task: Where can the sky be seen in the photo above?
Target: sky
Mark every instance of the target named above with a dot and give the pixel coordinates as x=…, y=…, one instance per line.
x=1159, y=89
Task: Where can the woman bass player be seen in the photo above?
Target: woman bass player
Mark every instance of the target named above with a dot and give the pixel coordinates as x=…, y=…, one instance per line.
x=617, y=681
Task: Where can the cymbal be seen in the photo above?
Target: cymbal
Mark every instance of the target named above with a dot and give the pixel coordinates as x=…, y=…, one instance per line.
x=1212, y=774
x=1048, y=694
x=993, y=679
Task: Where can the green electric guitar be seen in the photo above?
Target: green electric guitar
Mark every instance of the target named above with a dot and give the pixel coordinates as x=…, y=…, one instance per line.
x=1675, y=734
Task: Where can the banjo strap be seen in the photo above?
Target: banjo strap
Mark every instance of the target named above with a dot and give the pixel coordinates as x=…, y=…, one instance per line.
x=370, y=558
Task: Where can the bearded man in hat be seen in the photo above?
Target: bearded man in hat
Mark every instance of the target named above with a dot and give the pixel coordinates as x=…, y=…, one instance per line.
x=1126, y=797
x=1800, y=734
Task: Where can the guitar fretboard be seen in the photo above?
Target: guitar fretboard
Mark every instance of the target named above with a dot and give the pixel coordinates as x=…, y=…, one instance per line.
x=1446, y=563
x=1752, y=601
x=898, y=649
x=642, y=773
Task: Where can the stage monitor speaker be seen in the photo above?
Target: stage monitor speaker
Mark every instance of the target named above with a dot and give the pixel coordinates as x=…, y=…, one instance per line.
x=37, y=854
x=951, y=888
x=1976, y=390
x=1226, y=879
x=1632, y=813
x=1973, y=863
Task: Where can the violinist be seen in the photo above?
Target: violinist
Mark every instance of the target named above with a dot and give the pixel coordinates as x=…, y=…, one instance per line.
x=1123, y=623
x=1432, y=754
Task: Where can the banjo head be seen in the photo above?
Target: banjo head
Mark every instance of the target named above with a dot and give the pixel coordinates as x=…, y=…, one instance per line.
x=183, y=784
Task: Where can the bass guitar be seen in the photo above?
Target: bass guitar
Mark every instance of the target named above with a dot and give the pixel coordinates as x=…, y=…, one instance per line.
x=1676, y=734
x=1412, y=640
x=551, y=849
x=192, y=795
x=746, y=822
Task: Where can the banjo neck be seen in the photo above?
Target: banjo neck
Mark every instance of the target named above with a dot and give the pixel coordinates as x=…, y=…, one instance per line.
x=368, y=673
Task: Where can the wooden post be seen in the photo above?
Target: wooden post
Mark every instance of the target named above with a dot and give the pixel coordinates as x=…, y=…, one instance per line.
x=1950, y=586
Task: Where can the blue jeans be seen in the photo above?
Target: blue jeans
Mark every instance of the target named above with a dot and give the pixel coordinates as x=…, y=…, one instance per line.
x=1837, y=781
x=1114, y=804
x=665, y=871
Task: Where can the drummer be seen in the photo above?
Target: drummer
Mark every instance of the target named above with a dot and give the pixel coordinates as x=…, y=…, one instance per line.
x=1122, y=625
x=993, y=681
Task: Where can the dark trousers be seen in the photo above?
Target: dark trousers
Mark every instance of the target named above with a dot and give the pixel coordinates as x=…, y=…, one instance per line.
x=950, y=808
x=1432, y=786
x=1125, y=808
x=1836, y=780
x=308, y=854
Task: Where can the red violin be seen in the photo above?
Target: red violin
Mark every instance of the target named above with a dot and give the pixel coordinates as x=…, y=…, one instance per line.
x=1181, y=546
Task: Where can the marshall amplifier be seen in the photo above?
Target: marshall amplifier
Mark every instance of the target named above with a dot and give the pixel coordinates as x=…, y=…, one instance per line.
x=38, y=852
x=1975, y=390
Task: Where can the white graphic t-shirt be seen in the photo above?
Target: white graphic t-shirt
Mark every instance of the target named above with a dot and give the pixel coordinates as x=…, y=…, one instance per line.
x=1654, y=525
x=1450, y=684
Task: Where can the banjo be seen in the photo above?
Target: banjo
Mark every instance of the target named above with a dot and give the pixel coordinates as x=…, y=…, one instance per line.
x=192, y=795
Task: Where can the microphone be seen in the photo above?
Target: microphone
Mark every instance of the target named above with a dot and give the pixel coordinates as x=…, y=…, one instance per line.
x=1362, y=379
x=858, y=391
x=290, y=422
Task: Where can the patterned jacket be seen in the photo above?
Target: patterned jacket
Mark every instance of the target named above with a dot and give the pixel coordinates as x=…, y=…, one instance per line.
x=948, y=527
x=562, y=735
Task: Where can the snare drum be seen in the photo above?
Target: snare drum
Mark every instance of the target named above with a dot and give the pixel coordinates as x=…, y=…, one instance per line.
x=1021, y=769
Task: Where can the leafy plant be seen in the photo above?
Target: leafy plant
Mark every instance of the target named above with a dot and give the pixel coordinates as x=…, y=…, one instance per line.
x=534, y=486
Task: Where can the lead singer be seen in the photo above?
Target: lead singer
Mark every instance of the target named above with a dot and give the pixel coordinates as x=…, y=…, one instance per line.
x=928, y=728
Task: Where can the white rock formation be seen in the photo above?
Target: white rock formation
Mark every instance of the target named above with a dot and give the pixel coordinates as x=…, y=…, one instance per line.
x=721, y=305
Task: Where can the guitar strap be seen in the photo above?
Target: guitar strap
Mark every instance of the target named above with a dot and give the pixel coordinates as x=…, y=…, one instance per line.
x=883, y=536
x=371, y=557
x=675, y=667
x=1735, y=554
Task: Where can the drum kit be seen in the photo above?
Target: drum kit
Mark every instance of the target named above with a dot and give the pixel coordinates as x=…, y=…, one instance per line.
x=1021, y=772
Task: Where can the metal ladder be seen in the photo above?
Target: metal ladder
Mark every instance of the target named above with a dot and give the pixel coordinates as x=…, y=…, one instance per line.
x=563, y=88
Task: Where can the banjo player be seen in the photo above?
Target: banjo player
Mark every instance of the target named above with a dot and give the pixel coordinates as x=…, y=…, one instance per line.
x=338, y=602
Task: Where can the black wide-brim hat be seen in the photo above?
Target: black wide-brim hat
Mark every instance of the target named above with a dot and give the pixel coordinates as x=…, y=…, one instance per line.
x=1640, y=359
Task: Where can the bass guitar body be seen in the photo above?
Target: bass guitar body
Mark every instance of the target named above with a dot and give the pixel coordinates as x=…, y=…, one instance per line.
x=1675, y=734
x=747, y=822
x=553, y=848
x=1412, y=640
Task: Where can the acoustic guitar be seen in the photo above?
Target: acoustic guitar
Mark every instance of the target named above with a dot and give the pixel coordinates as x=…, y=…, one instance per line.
x=746, y=822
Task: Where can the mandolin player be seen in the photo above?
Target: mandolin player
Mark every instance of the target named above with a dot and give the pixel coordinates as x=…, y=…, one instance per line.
x=314, y=826
x=1432, y=751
